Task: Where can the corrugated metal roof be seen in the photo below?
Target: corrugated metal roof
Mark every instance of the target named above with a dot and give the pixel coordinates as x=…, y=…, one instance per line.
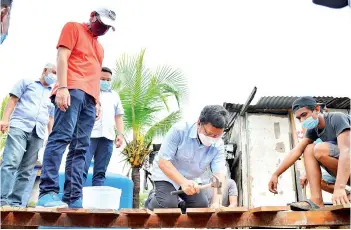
x=284, y=103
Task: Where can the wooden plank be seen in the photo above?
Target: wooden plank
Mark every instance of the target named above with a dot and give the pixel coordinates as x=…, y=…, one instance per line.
x=270, y=209
x=82, y=211
x=230, y=210
x=247, y=219
x=136, y=212
x=167, y=211
x=200, y=211
x=336, y=208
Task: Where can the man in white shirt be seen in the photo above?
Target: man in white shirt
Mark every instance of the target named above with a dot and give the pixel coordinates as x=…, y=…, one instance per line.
x=103, y=134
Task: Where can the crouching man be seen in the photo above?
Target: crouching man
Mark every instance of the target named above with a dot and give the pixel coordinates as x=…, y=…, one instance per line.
x=334, y=158
x=187, y=150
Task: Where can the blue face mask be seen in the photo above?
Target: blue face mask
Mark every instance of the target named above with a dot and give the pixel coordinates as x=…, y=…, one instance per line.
x=3, y=37
x=105, y=85
x=310, y=123
x=50, y=78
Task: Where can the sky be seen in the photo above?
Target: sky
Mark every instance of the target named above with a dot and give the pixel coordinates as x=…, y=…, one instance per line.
x=224, y=48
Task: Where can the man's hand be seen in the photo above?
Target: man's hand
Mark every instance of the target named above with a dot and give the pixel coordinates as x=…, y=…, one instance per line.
x=119, y=141
x=272, y=185
x=303, y=181
x=339, y=196
x=98, y=107
x=4, y=125
x=190, y=187
x=63, y=99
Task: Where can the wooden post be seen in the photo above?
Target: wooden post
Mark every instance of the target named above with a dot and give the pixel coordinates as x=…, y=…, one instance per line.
x=301, y=192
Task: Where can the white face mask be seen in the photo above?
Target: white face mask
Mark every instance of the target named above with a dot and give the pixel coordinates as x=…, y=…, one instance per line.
x=207, y=141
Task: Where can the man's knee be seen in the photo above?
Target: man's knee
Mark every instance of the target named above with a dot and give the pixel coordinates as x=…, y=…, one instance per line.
x=309, y=150
x=202, y=203
x=321, y=150
x=167, y=202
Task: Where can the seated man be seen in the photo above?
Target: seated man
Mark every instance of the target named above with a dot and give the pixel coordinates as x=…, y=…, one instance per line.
x=333, y=126
x=186, y=152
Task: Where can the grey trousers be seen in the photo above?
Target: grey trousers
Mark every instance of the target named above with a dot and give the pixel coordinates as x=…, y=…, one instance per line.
x=164, y=199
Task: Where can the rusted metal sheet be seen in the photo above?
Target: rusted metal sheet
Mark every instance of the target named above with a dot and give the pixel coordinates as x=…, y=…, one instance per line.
x=148, y=219
x=270, y=209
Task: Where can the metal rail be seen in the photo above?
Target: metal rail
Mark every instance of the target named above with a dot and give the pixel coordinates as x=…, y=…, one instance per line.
x=172, y=218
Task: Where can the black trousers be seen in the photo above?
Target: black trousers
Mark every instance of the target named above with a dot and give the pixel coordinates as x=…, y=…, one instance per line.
x=164, y=199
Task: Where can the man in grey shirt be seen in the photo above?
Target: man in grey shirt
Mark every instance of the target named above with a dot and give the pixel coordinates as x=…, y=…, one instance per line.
x=333, y=153
x=230, y=195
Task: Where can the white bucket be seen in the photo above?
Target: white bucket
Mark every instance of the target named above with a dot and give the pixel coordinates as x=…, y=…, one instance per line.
x=101, y=197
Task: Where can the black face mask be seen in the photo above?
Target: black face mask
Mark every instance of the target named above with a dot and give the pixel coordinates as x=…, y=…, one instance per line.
x=98, y=28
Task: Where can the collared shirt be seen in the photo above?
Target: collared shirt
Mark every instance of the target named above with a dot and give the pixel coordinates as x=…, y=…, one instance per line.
x=33, y=108
x=111, y=107
x=183, y=149
x=85, y=61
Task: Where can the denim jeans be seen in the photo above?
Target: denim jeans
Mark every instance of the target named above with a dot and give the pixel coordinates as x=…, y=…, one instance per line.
x=71, y=127
x=17, y=164
x=101, y=149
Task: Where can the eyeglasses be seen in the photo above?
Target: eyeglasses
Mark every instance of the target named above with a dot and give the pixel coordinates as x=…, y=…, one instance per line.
x=211, y=134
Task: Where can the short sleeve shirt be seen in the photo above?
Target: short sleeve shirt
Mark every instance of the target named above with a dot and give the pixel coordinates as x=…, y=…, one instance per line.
x=85, y=61
x=335, y=124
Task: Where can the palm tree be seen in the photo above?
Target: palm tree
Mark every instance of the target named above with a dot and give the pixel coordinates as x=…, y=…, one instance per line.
x=3, y=136
x=144, y=94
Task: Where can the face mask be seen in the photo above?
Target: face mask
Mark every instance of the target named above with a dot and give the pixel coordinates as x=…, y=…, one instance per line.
x=105, y=85
x=50, y=79
x=98, y=28
x=207, y=141
x=310, y=123
x=3, y=37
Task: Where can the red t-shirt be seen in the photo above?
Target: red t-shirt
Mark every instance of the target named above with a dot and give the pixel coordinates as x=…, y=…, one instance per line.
x=85, y=62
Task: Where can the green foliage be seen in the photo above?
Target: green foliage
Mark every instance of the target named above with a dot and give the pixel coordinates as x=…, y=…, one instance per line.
x=144, y=94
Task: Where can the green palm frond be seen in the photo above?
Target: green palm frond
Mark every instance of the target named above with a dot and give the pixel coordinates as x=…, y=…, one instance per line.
x=162, y=127
x=144, y=94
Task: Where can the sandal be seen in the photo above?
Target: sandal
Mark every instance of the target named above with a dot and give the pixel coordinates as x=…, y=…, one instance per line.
x=300, y=206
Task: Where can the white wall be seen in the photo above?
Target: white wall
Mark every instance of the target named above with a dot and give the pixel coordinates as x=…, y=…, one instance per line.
x=269, y=143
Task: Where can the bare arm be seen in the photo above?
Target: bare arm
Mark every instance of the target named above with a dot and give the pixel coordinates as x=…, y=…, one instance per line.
x=10, y=106
x=233, y=201
x=292, y=156
x=50, y=124
x=217, y=199
x=171, y=172
x=119, y=124
x=62, y=65
x=343, y=174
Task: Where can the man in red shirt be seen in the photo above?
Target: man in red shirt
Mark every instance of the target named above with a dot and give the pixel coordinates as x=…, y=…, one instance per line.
x=76, y=98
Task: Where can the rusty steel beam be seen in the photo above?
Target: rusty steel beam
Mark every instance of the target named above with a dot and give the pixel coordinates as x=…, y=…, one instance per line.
x=147, y=219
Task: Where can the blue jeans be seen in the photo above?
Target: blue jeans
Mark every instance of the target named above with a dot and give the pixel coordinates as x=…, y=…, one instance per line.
x=17, y=164
x=101, y=149
x=71, y=127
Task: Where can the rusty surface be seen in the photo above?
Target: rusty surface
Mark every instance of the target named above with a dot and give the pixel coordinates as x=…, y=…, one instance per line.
x=270, y=209
x=194, y=219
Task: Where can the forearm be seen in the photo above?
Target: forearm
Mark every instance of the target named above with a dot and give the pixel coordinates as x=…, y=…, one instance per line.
x=289, y=160
x=233, y=201
x=343, y=174
x=119, y=124
x=217, y=198
x=10, y=106
x=62, y=67
x=171, y=172
x=50, y=125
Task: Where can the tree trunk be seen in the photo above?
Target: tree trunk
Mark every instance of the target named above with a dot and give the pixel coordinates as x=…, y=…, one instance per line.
x=136, y=189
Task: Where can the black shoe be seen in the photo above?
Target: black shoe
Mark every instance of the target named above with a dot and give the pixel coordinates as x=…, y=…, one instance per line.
x=151, y=195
